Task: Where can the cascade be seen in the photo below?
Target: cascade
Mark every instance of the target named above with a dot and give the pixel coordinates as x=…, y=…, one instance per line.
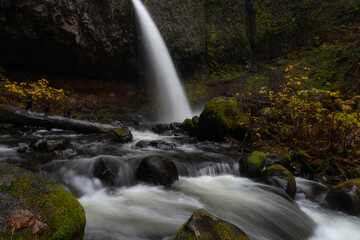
x=172, y=101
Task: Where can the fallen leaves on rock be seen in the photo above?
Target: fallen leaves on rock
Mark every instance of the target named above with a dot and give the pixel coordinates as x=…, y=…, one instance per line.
x=26, y=218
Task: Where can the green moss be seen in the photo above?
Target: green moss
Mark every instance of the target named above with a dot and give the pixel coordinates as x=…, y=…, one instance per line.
x=349, y=185
x=184, y=234
x=121, y=132
x=278, y=171
x=256, y=159
x=224, y=231
x=222, y=118
x=62, y=213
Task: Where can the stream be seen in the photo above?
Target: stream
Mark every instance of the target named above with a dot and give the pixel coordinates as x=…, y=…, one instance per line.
x=209, y=178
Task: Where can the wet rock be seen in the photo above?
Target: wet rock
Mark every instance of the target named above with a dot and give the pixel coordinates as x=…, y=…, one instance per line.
x=314, y=191
x=156, y=144
x=189, y=126
x=346, y=196
x=106, y=169
x=279, y=176
x=204, y=225
x=161, y=128
x=21, y=189
x=48, y=145
x=120, y=135
x=253, y=165
x=221, y=118
x=157, y=170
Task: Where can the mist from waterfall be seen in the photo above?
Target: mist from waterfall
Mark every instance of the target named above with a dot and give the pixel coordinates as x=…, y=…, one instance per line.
x=173, y=105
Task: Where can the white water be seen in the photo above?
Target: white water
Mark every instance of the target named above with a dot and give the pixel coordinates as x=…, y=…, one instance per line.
x=172, y=101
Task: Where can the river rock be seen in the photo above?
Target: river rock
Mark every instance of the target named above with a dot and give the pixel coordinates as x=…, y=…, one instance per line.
x=157, y=170
x=253, y=165
x=106, y=169
x=346, y=196
x=121, y=135
x=161, y=128
x=221, y=118
x=45, y=202
x=203, y=225
x=279, y=176
x=48, y=145
x=189, y=126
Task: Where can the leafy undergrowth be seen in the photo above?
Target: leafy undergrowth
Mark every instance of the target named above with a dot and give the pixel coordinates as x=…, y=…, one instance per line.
x=325, y=123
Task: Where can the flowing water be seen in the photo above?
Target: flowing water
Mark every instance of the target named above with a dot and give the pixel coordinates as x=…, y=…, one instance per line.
x=172, y=102
x=209, y=178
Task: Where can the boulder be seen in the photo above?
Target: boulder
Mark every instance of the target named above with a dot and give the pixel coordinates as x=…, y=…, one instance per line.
x=106, y=169
x=48, y=145
x=204, y=225
x=161, y=128
x=121, y=135
x=253, y=165
x=279, y=176
x=52, y=210
x=189, y=126
x=221, y=118
x=346, y=196
x=160, y=144
x=157, y=170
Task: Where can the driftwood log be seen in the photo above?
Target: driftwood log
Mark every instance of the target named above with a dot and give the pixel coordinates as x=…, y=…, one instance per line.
x=21, y=117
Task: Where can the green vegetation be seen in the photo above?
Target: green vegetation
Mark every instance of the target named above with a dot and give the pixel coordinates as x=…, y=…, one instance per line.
x=224, y=232
x=184, y=234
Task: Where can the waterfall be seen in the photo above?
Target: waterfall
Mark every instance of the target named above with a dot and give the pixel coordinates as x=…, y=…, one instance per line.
x=172, y=101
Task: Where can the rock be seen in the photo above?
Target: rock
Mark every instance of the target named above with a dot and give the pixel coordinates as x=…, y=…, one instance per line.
x=156, y=144
x=204, y=225
x=90, y=38
x=157, y=170
x=221, y=118
x=253, y=165
x=189, y=126
x=121, y=135
x=48, y=145
x=21, y=189
x=346, y=196
x=279, y=176
x=161, y=128
x=106, y=170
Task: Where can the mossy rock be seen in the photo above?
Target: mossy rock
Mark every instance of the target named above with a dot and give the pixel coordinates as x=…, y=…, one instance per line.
x=277, y=175
x=189, y=126
x=21, y=189
x=204, y=225
x=253, y=165
x=346, y=196
x=221, y=118
x=121, y=135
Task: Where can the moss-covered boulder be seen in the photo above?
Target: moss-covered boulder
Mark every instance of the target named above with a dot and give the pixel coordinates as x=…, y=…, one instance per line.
x=253, y=165
x=221, y=118
x=21, y=189
x=204, y=225
x=189, y=125
x=121, y=135
x=157, y=170
x=279, y=176
x=346, y=196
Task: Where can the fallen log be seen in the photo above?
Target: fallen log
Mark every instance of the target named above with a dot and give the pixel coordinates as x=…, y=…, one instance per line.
x=21, y=117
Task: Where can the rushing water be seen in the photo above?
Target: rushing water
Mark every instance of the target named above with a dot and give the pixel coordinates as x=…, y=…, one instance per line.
x=172, y=101
x=209, y=179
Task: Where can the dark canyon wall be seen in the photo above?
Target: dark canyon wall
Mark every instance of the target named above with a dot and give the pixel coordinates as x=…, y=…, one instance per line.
x=98, y=37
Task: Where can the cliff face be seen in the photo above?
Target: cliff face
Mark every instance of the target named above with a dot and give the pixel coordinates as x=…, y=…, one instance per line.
x=97, y=37
x=87, y=37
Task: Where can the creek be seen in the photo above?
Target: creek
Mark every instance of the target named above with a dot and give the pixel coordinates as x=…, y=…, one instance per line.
x=209, y=178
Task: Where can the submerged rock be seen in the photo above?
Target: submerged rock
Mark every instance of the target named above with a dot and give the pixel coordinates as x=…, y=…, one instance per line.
x=346, y=196
x=50, y=204
x=279, y=176
x=221, y=118
x=253, y=165
x=106, y=169
x=157, y=170
x=204, y=225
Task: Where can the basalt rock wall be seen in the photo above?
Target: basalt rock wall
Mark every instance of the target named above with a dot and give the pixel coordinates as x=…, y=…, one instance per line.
x=99, y=38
